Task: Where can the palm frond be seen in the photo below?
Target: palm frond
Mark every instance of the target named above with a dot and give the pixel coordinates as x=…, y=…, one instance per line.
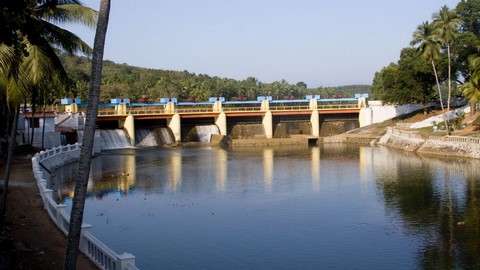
x=72, y=13
x=7, y=57
x=64, y=39
x=37, y=63
x=16, y=91
x=471, y=89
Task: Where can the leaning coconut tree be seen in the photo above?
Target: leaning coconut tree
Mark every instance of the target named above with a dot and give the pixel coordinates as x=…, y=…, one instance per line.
x=76, y=216
x=446, y=25
x=429, y=48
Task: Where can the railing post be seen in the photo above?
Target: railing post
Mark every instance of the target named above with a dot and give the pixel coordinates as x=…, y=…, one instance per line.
x=61, y=208
x=83, y=245
x=124, y=260
x=47, y=192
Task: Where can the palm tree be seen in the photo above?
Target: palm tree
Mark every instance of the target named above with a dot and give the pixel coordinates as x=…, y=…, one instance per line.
x=76, y=216
x=14, y=88
x=471, y=88
x=429, y=48
x=446, y=25
x=30, y=59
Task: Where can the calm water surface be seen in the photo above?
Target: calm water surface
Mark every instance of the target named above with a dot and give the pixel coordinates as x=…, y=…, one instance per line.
x=329, y=207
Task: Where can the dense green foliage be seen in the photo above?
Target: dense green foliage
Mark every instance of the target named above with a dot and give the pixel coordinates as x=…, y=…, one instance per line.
x=408, y=81
x=456, y=33
x=122, y=80
x=29, y=45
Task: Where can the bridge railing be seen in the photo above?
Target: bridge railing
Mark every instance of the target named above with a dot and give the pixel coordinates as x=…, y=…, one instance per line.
x=289, y=108
x=107, y=112
x=146, y=110
x=241, y=109
x=194, y=110
x=158, y=110
x=337, y=106
x=102, y=256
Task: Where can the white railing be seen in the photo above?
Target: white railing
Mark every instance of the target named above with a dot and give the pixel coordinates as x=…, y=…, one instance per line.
x=405, y=134
x=456, y=139
x=102, y=256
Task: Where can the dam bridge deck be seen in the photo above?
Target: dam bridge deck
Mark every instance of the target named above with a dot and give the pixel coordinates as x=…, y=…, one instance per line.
x=159, y=112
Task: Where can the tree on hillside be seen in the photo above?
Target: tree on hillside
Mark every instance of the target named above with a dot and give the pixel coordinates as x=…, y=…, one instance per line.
x=76, y=216
x=29, y=62
x=429, y=49
x=385, y=87
x=446, y=25
x=410, y=80
x=471, y=88
x=469, y=35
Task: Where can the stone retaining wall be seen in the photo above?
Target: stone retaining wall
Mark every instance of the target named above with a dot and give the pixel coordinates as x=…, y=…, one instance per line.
x=399, y=141
x=451, y=149
x=441, y=146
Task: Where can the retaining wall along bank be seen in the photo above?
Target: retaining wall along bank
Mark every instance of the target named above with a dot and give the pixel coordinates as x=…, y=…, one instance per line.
x=453, y=146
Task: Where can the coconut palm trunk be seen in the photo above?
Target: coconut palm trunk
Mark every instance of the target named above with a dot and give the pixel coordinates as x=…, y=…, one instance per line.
x=449, y=78
x=76, y=216
x=440, y=95
x=8, y=167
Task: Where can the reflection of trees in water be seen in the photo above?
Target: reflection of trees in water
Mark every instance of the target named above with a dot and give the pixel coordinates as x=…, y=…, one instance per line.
x=439, y=202
x=62, y=183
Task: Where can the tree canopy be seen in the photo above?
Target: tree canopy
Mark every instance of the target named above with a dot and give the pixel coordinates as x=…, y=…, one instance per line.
x=122, y=80
x=457, y=31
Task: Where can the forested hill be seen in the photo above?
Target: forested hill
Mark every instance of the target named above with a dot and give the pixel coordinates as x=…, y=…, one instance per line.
x=122, y=80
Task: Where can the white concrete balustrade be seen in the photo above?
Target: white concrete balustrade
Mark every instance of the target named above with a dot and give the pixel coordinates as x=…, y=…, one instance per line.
x=101, y=255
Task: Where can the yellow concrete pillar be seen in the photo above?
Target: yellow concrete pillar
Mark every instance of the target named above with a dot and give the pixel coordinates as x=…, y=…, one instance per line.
x=313, y=104
x=315, y=121
x=268, y=124
x=175, y=126
x=121, y=108
x=362, y=102
x=217, y=106
x=170, y=107
x=129, y=127
x=221, y=122
x=265, y=105
x=72, y=108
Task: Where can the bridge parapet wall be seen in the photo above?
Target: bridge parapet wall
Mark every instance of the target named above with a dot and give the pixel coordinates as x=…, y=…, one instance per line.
x=377, y=112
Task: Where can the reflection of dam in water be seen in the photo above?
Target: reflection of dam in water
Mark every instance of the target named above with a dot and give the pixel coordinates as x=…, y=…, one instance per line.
x=118, y=171
x=382, y=162
x=364, y=190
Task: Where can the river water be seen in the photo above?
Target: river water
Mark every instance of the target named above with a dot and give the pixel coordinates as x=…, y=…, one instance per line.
x=327, y=207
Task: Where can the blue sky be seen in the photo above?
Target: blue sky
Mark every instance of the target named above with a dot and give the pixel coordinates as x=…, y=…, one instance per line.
x=319, y=42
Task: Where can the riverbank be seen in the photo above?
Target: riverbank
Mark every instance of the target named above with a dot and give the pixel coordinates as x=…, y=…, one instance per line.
x=30, y=240
x=395, y=133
